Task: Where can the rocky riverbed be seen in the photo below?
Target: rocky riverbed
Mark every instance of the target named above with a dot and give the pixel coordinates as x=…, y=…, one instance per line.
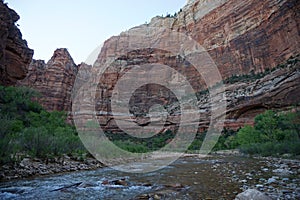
x=278, y=178
x=30, y=167
x=190, y=177
x=223, y=177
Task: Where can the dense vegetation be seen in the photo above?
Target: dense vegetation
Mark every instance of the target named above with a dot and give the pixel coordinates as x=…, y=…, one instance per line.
x=273, y=134
x=29, y=130
x=141, y=145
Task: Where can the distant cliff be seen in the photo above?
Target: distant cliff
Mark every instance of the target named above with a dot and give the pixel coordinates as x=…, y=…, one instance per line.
x=54, y=80
x=15, y=56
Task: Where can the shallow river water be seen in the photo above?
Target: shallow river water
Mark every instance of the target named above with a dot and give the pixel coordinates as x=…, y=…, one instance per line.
x=217, y=177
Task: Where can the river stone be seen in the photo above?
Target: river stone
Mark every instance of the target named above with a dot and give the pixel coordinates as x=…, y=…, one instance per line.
x=120, y=182
x=282, y=171
x=271, y=180
x=252, y=194
x=265, y=169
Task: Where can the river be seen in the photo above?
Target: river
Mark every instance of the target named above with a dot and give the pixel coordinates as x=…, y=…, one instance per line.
x=216, y=177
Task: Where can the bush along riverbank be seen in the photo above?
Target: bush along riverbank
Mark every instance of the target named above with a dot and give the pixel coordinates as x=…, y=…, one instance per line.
x=35, y=141
x=274, y=134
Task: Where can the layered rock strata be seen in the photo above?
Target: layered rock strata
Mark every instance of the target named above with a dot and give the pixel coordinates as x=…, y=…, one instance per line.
x=242, y=37
x=54, y=80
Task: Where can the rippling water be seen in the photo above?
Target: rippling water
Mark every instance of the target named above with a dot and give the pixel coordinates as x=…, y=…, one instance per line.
x=198, y=178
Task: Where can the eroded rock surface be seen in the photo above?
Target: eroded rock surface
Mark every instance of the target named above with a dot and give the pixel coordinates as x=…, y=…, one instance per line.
x=15, y=56
x=248, y=37
x=54, y=80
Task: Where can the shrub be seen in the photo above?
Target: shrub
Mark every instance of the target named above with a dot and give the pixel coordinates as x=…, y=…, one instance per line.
x=8, y=137
x=36, y=141
x=272, y=134
x=131, y=146
x=28, y=129
x=227, y=140
x=248, y=135
x=272, y=148
x=17, y=101
x=197, y=142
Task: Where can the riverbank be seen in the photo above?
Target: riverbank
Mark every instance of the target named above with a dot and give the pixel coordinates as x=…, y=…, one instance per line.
x=34, y=167
x=31, y=167
x=190, y=177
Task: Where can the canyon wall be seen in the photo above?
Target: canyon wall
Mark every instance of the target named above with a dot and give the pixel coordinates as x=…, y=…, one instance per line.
x=242, y=37
x=15, y=56
x=54, y=80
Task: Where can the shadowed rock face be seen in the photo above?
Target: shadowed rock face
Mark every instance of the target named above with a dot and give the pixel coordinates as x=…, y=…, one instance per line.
x=53, y=80
x=15, y=56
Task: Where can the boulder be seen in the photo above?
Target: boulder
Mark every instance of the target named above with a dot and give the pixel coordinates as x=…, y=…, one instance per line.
x=252, y=194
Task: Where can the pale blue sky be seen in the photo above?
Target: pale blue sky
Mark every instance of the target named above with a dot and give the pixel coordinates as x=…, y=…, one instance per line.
x=80, y=25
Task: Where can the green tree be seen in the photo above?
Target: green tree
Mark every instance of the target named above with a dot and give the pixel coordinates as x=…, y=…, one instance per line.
x=28, y=129
x=15, y=102
x=267, y=124
x=272, y=134
x=248, y=135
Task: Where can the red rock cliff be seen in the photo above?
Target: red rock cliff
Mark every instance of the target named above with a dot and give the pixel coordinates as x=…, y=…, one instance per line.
x=53, y=80
x=240, y=36
x=15, y=56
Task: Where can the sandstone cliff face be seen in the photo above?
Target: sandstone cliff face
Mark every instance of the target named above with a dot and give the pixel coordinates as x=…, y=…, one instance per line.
x=240, y=36
x=54, y=80
x=279, y=90
x=15, y=56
